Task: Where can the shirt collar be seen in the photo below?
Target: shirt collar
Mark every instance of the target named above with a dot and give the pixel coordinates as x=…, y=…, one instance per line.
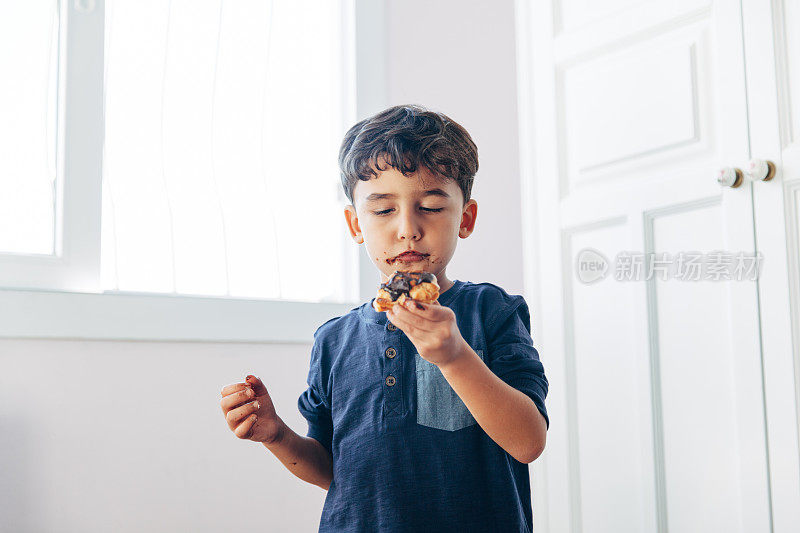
x=369, y=314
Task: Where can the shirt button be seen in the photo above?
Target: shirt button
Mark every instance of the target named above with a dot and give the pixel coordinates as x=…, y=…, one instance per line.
x=390, y=353
x=392, y=327
x=390, y=381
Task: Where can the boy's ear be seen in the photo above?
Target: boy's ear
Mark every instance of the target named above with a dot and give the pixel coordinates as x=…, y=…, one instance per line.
x=468, y=219
x=352, y=224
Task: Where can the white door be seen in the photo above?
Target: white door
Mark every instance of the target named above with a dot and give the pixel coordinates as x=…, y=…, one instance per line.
x=772, y=56
x=656, y=400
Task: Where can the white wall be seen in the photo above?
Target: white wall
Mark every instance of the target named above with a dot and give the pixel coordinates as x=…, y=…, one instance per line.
x=129, y=436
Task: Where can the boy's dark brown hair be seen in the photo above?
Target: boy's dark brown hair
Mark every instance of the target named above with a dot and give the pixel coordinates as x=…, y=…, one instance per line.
x=408, y=137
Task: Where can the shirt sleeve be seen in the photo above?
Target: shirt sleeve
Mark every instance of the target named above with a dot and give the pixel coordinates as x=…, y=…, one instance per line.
x=512, y=356
x=314, y=405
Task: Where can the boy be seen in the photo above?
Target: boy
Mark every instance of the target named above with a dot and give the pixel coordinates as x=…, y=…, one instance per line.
x=423, y=418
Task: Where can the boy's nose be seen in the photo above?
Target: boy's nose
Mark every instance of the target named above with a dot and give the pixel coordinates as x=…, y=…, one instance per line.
x=408, y=229
x=410, y=234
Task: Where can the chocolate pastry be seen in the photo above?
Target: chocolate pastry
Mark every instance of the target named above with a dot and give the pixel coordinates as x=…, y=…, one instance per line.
x=402, y=285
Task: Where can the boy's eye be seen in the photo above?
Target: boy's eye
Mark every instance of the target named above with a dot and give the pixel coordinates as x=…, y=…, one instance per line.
x=426, y=209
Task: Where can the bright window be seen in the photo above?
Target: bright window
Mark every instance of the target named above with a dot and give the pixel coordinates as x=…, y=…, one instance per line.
x=28, y=112
x=222, y=126
x=217, y=134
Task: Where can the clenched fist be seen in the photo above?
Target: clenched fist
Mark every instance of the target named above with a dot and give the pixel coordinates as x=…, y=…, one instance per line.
x=249, y=411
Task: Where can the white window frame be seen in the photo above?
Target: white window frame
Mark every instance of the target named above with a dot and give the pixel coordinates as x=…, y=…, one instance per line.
x=61, y=296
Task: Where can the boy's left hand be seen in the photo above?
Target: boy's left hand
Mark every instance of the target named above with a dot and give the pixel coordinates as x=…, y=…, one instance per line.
x=432, y=329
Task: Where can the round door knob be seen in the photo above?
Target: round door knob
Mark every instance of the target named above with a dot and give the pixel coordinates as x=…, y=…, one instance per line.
x=730, y=177
x=759, y=170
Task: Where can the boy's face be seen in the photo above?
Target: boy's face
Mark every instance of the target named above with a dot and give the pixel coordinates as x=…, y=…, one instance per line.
x=393, y=213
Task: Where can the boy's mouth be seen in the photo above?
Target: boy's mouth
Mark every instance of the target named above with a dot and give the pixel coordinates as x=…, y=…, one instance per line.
x=408, y=257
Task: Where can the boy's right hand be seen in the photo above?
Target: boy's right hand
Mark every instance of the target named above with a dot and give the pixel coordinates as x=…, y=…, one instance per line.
x=249, y=411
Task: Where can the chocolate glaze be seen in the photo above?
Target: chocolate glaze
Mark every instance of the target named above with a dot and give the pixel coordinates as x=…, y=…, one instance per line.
x=401, y=282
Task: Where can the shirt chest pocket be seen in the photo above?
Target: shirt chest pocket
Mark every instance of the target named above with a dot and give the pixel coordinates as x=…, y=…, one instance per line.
x=438, y=405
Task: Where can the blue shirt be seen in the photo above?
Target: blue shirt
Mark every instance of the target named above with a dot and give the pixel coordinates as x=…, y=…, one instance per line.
x=408, y=456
